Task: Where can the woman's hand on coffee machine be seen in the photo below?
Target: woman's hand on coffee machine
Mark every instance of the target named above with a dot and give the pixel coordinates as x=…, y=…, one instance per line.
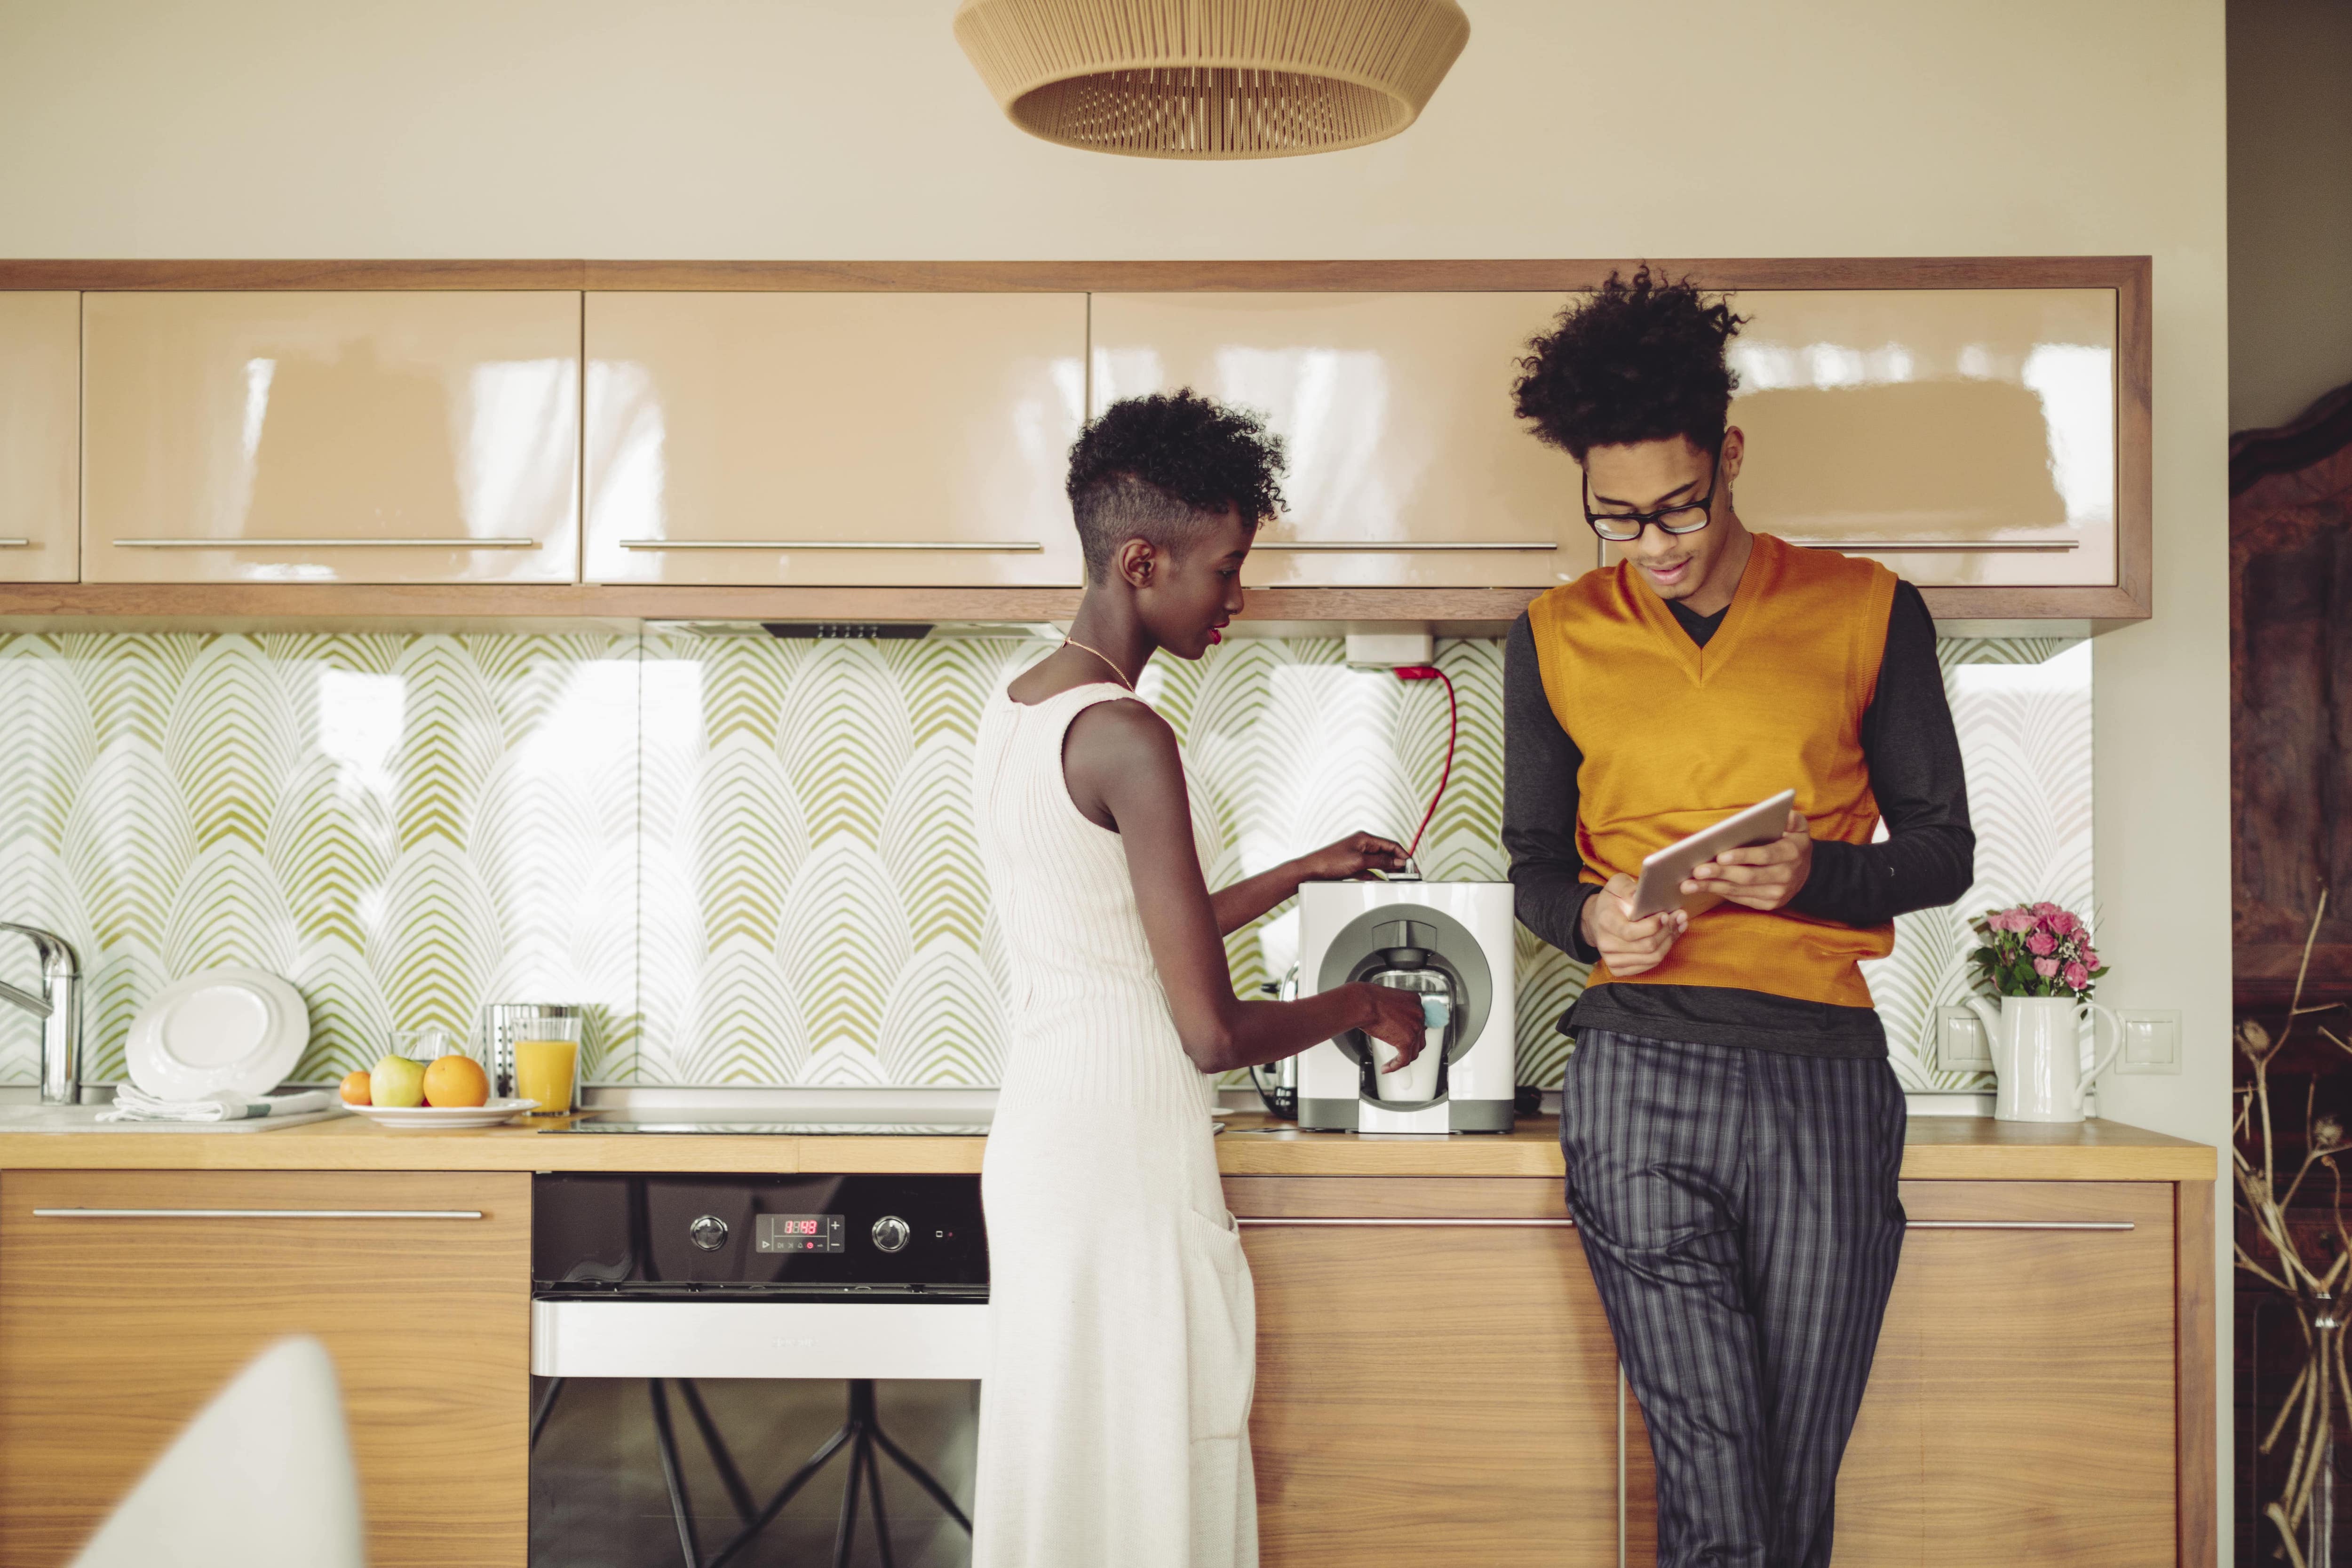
x=1395, y=1016
x=1351, y=859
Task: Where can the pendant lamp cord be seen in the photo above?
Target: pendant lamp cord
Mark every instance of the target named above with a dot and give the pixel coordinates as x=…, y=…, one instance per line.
x=1453, y=732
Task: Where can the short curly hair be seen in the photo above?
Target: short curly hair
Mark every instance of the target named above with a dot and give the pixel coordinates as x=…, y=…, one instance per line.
x=1150, y=467
x=1638, y=360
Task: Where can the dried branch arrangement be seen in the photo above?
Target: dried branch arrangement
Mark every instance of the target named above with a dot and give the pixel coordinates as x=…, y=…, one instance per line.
x=2267, y=1249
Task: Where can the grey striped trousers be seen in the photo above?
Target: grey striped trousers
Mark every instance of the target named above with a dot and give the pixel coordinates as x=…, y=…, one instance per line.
x=1740, y=1212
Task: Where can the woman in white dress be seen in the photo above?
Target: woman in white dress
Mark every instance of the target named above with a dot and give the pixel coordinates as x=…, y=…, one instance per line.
x=1114, y=1417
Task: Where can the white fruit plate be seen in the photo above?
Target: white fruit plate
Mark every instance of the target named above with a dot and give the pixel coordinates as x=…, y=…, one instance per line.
x=489, y=1115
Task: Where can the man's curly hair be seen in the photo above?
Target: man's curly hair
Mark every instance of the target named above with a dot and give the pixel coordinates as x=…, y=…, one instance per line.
x=1639, y=361
x=1152, y=468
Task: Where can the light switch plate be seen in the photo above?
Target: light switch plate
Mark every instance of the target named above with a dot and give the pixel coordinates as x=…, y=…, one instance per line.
x=1960, y=1044
x=2151, y=1041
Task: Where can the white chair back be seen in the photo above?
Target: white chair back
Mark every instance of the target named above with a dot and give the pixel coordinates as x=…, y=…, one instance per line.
x=261, y=1479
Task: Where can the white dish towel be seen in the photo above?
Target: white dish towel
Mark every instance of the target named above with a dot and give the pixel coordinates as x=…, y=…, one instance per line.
x=133, y=1104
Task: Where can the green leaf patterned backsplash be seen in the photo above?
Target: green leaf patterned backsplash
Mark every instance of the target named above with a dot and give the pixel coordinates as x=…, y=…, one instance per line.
x=753, y=859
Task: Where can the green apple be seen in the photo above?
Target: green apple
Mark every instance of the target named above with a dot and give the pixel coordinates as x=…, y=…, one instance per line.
x=397, y=1082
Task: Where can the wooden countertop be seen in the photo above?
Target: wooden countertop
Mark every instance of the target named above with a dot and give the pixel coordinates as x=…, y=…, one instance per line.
x=1940, y=1148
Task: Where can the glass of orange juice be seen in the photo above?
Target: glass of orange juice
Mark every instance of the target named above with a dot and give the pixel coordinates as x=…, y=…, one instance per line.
x=547, y=1064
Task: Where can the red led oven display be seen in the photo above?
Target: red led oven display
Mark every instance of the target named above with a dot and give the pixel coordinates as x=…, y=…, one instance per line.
x=801, y=1231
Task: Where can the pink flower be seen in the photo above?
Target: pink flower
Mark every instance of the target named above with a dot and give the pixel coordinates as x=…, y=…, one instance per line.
x=2044, y=910
x=2045, y=967
x=2077, y=977
x=2090, y=958
x=2040, y=942
x=2013, y=920
x=2064, y=923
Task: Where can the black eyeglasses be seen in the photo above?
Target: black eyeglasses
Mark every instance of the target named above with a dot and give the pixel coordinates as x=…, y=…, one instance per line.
x=1625, y=527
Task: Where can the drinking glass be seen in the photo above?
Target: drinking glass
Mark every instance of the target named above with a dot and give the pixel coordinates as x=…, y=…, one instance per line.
x=547, y=1064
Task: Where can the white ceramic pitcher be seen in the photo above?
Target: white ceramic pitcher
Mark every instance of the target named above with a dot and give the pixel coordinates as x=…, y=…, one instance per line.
x=2037, y=1055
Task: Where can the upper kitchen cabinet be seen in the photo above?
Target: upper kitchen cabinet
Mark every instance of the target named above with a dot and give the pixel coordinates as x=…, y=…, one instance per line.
x=1407, y=466
x=332, y=438
x=1967, y=438
x=40, y=431
x=817, y=438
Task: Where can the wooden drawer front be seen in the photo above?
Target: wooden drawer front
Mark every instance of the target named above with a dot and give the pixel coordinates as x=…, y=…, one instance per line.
x=1431, y=1392
x=114, y=1332
x=2020, y=1408
x=332, y=438
x=40, y=437
x=1436, y=1198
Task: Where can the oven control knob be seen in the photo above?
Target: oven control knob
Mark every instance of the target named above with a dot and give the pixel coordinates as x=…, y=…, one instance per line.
x=891, y=1234
x=708, y=1232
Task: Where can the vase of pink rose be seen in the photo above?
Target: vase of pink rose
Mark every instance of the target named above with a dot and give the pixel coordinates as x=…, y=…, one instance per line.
x=2038, y=960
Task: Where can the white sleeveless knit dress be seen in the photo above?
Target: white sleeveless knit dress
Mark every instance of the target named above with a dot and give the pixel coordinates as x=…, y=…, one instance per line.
x=1114, y=1421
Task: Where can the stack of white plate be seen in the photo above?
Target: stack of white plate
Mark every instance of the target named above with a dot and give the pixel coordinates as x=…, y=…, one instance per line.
x=235, y=1031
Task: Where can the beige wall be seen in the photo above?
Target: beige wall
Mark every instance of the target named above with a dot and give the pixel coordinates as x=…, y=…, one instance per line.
x=2290, y=207
x=853, y=128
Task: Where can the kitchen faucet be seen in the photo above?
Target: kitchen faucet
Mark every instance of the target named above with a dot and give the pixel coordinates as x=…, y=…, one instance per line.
x=59, y=1006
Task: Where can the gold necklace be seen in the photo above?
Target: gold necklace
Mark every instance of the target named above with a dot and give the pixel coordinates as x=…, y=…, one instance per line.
x=1068, y=641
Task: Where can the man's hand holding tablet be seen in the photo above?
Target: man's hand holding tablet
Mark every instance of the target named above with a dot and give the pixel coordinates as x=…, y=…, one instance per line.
x=1736, y=867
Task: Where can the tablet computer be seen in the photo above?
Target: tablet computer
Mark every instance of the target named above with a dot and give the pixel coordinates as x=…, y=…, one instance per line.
x=1663, y=874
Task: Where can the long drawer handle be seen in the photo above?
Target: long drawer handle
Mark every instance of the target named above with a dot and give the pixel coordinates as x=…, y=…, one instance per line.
x=1570, y=1225
x=1492, y=1224
x=2022, y=1224
x=1926, y=546
x=258, y=543
x=1355, y=547
x=16, y=545
x=999, y=546
x=257, y=1213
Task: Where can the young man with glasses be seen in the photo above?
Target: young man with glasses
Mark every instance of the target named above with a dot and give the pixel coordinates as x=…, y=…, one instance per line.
x=1732, y=1127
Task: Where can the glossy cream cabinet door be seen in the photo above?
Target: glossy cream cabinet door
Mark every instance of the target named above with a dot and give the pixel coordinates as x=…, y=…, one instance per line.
x=40, y=436
x=1407, y=466
x=1964, y=436
x=332, y=438
x=833, y=438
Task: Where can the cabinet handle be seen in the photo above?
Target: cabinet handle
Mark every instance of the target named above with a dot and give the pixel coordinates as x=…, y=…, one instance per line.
x=1002, y=546
x=257, y=1213
x=2022, y=1224
x=1490, y=1224
x=487, y=543
x=1955, y=546
x=1353, y=547
x=1570, y=1225
x=16, y=545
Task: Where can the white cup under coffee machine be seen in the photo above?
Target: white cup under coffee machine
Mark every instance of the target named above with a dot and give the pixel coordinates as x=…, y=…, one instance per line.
x=1451, y=943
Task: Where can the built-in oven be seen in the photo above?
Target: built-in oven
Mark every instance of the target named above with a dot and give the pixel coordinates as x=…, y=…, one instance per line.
x=747, y=1369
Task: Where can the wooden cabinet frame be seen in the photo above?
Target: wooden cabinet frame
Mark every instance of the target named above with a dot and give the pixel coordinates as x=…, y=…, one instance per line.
x=1469, y=610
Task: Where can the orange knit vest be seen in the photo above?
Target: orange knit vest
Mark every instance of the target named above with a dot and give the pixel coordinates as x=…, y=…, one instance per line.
x=1675, y=736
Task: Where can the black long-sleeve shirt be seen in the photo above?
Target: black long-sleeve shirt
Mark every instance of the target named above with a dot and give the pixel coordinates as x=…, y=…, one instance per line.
x=1927, y=858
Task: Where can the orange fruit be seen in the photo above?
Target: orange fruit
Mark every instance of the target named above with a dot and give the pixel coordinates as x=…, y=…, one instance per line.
x=456, y=1081
x=356, y=1090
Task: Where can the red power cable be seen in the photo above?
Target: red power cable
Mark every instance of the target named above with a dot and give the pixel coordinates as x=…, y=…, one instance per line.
x=1453, y=732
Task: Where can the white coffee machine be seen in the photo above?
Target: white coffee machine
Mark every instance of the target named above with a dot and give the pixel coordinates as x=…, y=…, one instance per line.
x=1448, y=940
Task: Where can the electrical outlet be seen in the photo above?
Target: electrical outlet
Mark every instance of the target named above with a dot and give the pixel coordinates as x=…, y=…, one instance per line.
x=2151, y=1041
x=1960, y=1044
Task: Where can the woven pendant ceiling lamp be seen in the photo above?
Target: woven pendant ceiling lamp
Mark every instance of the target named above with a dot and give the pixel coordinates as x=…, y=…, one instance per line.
x=1211, y=79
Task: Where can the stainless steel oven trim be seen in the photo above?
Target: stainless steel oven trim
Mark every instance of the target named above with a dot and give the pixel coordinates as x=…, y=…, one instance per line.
x=946, y=1338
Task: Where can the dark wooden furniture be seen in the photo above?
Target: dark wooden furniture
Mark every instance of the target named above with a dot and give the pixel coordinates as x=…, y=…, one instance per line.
x=2291, y=700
